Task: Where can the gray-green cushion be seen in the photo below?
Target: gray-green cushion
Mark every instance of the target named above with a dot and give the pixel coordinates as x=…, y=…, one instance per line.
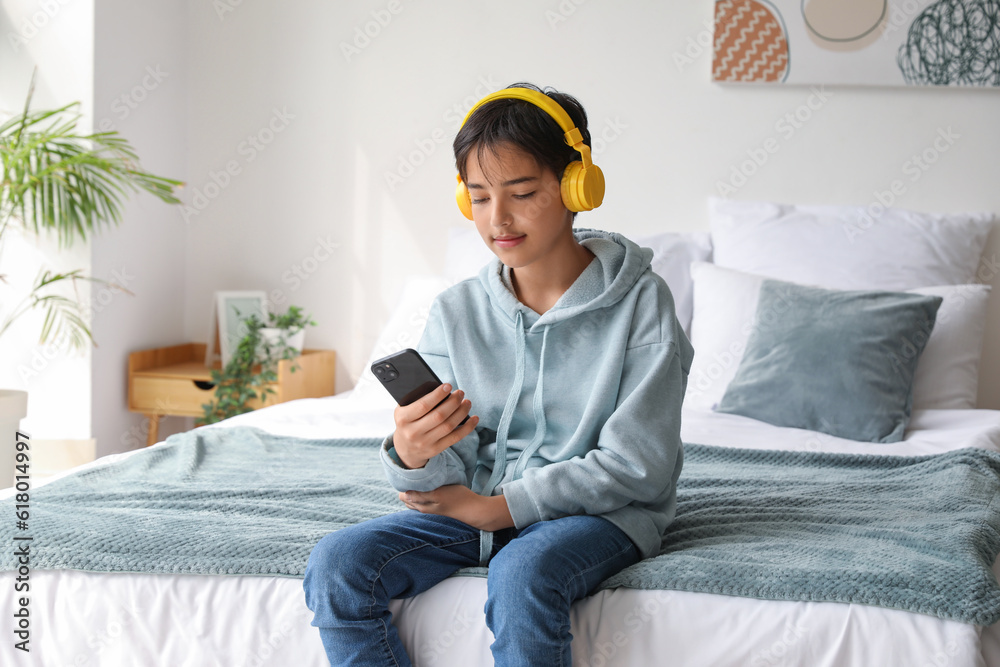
x=838, y=362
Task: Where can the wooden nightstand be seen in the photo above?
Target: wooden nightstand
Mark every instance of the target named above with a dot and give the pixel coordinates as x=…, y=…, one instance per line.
x=175, y=381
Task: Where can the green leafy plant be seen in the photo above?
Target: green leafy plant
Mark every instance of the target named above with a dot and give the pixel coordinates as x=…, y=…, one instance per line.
x=293, y=320
x=56, y=180
x=252, y=367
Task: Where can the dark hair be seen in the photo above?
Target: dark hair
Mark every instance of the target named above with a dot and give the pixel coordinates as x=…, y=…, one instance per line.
x=522, y=124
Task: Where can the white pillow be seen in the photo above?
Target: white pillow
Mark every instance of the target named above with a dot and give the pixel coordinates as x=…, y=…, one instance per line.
x=672, y=256
x=673, y=253
x=725, y=302
x=725, y=305
x=947, y=376
x=404, y=329
x=848, y=247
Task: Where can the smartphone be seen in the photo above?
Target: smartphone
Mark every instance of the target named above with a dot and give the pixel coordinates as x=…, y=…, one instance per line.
x=406, y=376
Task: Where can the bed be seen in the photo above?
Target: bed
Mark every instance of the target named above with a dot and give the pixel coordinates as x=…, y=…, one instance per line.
x=81, y=617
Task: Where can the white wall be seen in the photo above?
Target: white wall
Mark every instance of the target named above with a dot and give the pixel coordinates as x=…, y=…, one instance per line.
x=671, y=136
x=58, y=39
x=140, y=90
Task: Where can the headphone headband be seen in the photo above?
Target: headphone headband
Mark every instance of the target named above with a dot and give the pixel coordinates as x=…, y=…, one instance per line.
x=571, y=134
x=582, y=185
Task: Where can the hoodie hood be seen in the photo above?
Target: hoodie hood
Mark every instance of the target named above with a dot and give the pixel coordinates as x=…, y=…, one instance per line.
x=618, y=263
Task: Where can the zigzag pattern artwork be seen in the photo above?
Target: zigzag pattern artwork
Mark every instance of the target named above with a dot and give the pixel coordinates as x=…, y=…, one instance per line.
x=750, y=42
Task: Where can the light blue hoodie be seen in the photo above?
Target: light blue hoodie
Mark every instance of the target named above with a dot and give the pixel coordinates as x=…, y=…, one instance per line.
x=581, y=405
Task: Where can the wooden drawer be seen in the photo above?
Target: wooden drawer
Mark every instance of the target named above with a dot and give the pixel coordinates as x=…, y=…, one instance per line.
x=176, y=396
x=175, y=381
x=170, y=396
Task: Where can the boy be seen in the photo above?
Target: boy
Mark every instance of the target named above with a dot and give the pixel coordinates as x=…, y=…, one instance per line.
x=568, y=343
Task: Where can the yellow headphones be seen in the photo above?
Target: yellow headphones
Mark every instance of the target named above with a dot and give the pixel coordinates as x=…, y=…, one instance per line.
x=582, y=186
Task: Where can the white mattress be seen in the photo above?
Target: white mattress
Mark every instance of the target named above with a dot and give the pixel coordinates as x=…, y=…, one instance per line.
x=89, y=619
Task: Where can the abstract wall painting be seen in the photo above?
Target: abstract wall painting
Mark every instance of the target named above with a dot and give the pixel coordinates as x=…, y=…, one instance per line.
x=866, y=42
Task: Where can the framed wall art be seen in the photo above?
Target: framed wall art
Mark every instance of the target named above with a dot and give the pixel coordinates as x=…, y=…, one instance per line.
x=866, y=42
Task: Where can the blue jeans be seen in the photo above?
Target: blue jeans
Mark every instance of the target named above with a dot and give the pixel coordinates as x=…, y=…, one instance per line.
x=535, y=575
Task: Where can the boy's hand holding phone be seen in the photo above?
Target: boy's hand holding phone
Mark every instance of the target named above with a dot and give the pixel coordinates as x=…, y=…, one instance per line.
x=430, y=417
x=431, y=424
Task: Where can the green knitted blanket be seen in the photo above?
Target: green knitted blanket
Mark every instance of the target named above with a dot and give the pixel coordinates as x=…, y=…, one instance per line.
x=911, y=533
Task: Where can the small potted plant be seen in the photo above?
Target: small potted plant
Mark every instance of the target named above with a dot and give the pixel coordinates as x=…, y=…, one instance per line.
x=288, y=329
x=253, y=365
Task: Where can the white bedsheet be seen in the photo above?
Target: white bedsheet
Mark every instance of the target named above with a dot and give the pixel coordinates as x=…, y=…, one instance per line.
x=86, y=619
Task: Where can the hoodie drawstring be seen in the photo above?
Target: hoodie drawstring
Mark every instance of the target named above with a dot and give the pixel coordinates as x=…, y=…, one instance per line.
x=500, y=458
x=538, y=408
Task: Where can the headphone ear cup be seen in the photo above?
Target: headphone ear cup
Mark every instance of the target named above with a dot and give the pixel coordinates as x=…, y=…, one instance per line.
x=582, y=189
x=463, y=199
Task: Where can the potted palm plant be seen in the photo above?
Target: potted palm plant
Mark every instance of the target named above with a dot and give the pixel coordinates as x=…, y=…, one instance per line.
x=57, y=180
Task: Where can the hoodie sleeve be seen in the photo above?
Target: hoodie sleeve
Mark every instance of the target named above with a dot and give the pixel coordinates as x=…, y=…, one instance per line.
x=448, y=467
x=638, y=453
x=454, y=465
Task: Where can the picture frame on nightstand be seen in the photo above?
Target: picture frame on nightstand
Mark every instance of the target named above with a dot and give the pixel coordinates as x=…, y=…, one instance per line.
x=227, y=326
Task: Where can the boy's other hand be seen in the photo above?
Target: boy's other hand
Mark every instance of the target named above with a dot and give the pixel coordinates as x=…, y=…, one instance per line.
x=462, y=503
x=424, y=431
